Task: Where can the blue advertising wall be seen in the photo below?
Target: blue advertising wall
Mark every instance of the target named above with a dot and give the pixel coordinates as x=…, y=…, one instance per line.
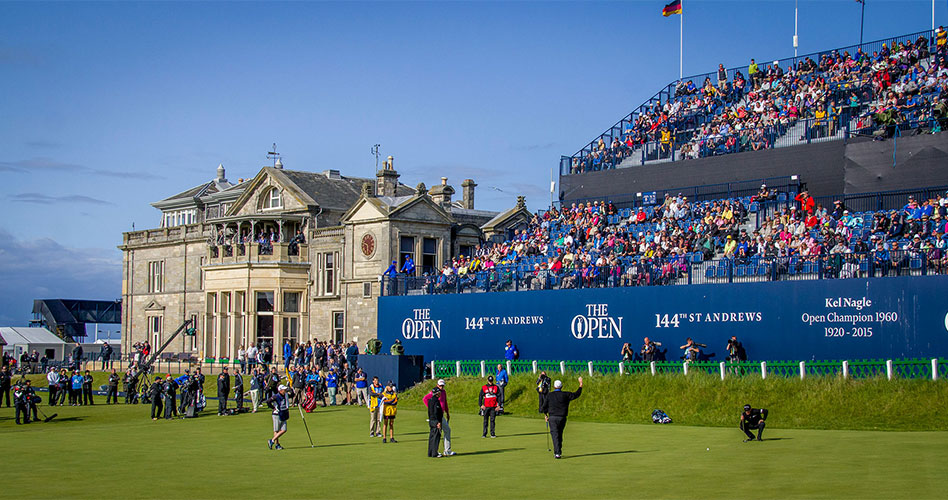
x=796, y=320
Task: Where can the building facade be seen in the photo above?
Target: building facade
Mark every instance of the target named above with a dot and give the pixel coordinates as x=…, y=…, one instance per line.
x=289, y=254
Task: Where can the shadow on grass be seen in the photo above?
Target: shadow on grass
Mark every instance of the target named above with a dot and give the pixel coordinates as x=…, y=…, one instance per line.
x=523, y=434
x=776, y=439
x=58, y=419
x=488, y=452
x=601, y=453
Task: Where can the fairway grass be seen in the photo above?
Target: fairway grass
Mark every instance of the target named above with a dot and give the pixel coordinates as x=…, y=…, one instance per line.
x=117, y=452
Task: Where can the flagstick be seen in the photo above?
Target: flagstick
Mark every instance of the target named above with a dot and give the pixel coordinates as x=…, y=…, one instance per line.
x=681, y=38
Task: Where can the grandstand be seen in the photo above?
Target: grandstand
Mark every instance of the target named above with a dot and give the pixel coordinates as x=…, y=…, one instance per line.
x=838, y=121
x=803, y=180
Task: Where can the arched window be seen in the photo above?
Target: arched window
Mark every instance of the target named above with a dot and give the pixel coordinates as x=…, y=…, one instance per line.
x=273, y=199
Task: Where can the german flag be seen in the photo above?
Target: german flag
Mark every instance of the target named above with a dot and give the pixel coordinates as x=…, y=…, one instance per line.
x=672, y=8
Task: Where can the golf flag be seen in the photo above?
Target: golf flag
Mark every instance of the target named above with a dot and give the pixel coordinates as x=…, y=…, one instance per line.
x=672, y=8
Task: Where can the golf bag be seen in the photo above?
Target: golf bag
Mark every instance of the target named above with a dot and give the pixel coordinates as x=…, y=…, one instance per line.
x=660, y=417
x=201, y=401
x=310, y=402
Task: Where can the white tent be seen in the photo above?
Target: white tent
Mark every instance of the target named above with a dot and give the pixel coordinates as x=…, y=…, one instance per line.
x=22, y=339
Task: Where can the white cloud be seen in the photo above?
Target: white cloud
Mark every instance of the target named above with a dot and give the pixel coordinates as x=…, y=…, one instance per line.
x=42, y=268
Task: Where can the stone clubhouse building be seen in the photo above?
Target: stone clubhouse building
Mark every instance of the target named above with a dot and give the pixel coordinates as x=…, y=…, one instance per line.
x=289, y=254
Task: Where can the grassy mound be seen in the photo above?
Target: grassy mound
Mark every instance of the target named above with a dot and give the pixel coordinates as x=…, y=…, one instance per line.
x=704, y=400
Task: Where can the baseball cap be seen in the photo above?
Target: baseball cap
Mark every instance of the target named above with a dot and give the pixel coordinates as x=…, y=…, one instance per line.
x=558, y=384
x=747, y=407
x=440, y=381
x=490, y=378
x=281, y=388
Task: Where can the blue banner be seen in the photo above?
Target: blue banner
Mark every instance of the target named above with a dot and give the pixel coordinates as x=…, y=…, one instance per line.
x=903, y=317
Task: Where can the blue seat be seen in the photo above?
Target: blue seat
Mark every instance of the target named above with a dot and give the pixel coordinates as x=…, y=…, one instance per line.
x=915, y=263
x=709, y=272
x=722, y=271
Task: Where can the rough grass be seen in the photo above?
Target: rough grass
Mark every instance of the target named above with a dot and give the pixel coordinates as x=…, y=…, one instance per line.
x=704, y=400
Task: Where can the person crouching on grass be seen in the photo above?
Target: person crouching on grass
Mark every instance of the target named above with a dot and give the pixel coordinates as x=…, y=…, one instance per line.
x=281, y=413
x=389, y=409
x=753, y=418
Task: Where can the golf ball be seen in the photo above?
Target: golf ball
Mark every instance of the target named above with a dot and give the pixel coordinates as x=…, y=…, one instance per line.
x=709, y=449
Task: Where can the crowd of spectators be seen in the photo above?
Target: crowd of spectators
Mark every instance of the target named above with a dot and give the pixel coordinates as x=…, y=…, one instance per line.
x=901, y=83
x=590, y=245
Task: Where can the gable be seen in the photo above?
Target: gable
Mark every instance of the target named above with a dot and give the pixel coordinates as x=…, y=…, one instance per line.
x=365, y=211
x=254, y=198
x=154, y=306
x=421, y=208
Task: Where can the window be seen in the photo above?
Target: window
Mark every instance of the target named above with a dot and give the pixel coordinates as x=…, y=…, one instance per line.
x=367, y=289
x=156, y=273
x=291, y=302
x=273, y=199
x=203, y=263
x=190, y=341
x=154, y=327
x=291, y=329
x=465, y=250
x=406, y=247
x=429, y=255
x=329, y=273
x=338, y=326
x=265, y=301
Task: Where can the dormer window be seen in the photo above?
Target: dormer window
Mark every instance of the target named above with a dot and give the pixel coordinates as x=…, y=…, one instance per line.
x=273, y=199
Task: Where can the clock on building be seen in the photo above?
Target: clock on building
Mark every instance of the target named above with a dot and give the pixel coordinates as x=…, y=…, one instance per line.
x=368, y=245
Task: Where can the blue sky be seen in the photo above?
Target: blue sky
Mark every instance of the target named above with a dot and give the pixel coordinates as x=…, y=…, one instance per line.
x=108, y=106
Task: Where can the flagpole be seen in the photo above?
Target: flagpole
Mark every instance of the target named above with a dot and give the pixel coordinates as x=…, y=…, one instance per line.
x=681, y=38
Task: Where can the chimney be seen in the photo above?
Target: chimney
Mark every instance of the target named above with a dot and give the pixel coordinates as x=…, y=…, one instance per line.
x=467, y=194
x=220, y=173
x=441, y=194
x=386, y=180
x=332, y=174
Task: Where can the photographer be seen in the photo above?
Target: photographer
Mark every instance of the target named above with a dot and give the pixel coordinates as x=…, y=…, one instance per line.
x=649, y=349
x=753, y=418
x=128, y=384
x=21, y=403
x=487, y=399
x=6, y=378
x=692, y=350
x=627, y=353
x=735, y=350
x=239, y=390
x=31, y=399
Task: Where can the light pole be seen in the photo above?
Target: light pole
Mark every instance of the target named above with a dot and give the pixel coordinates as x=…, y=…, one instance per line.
x=862, y=19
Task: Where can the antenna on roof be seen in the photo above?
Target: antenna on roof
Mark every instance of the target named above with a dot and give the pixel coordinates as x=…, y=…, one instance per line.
x=375, y=153
x=275, y=156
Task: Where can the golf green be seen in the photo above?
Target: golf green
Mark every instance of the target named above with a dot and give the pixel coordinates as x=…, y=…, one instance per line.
x=118, y=452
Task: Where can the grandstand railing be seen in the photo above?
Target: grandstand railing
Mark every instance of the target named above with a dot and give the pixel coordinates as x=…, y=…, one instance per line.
x=687, y=269
x=912, y=368
x=669, y=92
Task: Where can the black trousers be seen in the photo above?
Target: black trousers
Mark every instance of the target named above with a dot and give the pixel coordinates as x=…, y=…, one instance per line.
x=129, y=392
x=221, y=403
x=33, y=409
x=22, y=408
x=747, y=427
x=87, y=396
x=501, y=397
x=170, y=409
x=434, y=439
x=74, y=396
x=53, y=390
x=542, y=398
x=156, y=407
x=5, y=393
x=62, y=395
x=557, y=424
x=112, y=395
x=239, y=397
x=489, y=414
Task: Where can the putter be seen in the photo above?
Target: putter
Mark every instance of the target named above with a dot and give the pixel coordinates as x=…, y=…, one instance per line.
x=300, y=408
x=45, y=418
x=548, y=436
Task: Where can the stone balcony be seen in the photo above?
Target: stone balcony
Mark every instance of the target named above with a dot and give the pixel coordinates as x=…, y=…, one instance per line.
x=219, y=255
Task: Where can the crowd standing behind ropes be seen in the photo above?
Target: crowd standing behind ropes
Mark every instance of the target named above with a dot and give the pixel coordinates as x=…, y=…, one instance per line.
x=905, y=82
x=577, y=246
